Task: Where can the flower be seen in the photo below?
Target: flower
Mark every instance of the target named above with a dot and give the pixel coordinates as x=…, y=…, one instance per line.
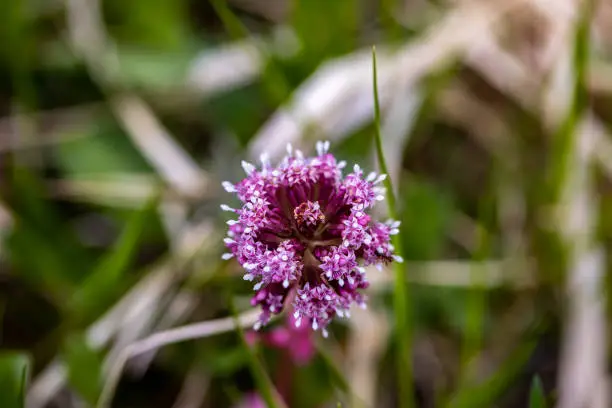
x=303, y=235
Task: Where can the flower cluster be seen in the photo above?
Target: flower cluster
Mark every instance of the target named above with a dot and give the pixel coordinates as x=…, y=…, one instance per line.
x=303, y=235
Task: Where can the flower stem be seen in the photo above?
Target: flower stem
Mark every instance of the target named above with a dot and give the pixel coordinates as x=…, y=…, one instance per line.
x=403, y=335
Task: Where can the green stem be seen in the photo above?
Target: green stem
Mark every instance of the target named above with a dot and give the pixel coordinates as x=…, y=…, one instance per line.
x=263, y=382
x=403, y=339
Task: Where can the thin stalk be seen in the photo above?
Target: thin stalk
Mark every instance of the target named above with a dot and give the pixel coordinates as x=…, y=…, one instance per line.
x=263, y=382
x=403, y=335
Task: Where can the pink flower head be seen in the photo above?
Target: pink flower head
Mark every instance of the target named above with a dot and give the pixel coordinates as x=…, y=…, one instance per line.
x=303, y=233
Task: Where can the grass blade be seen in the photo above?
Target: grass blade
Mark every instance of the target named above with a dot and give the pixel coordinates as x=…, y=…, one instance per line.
x=14, y=372
x=403, y=339
x=537, y=398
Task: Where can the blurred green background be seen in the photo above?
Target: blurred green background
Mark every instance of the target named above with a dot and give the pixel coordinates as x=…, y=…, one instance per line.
x=120, y=119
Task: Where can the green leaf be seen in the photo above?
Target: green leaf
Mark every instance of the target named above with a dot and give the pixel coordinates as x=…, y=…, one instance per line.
x=14, y=373
x=41, y=248
x=537, y=398
x=84, y=367
x=104, y=149
x=426, y=215
x=105, y=281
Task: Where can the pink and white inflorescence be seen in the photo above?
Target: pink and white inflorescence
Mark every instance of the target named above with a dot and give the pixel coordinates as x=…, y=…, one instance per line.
x=303, y=235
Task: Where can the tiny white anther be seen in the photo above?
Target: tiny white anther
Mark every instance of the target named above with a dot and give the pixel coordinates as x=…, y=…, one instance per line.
x=257, y=326
x=324, y=333
x=264, y=158
x=267, y=268
x=258, y=286
x=361, y=269
x=341, y=164
x=339, y=313
x=340, y=281
x=394, y=231
x=229, y=241
x=285, y=284
x=380, y=178
x=356, y=168
x=298, y=321
x=319, y=148
x=227, y=256
x=379, y=266
x=346, y=243
x=248, y=167
x=226, y=207
x=371, y=176
x=289, y=149
x=398, y=258
x=248, y=277
x=299, y=154
x=231, y=222
x=326, y=146
x=229, y=187
x=380, y=197
x=248, y=230
x=315, y=325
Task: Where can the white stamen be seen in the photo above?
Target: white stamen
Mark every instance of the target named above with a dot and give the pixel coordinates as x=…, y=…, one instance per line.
x=315, y=325
x=341, y=164
x=264, y=158
x=229, y=187
x=371, y=176
x=394, y=231
x=298, y=322
x=299, y=154
x=285, y=284
x=346, y=243
x=257, y=326
x=289, y=149
x=324, y=333
x=231, y=222
x=248, y=277
x=258, y=286
x=227, y=256
x=248, y=167
x=229, y=241
x=379, y=267
x=226, y=207
x=326, y=146
x=380, y=178
x=380, y=197
x=356, y=168
x=248, y=230
x=398, y=259
x=340, y=281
